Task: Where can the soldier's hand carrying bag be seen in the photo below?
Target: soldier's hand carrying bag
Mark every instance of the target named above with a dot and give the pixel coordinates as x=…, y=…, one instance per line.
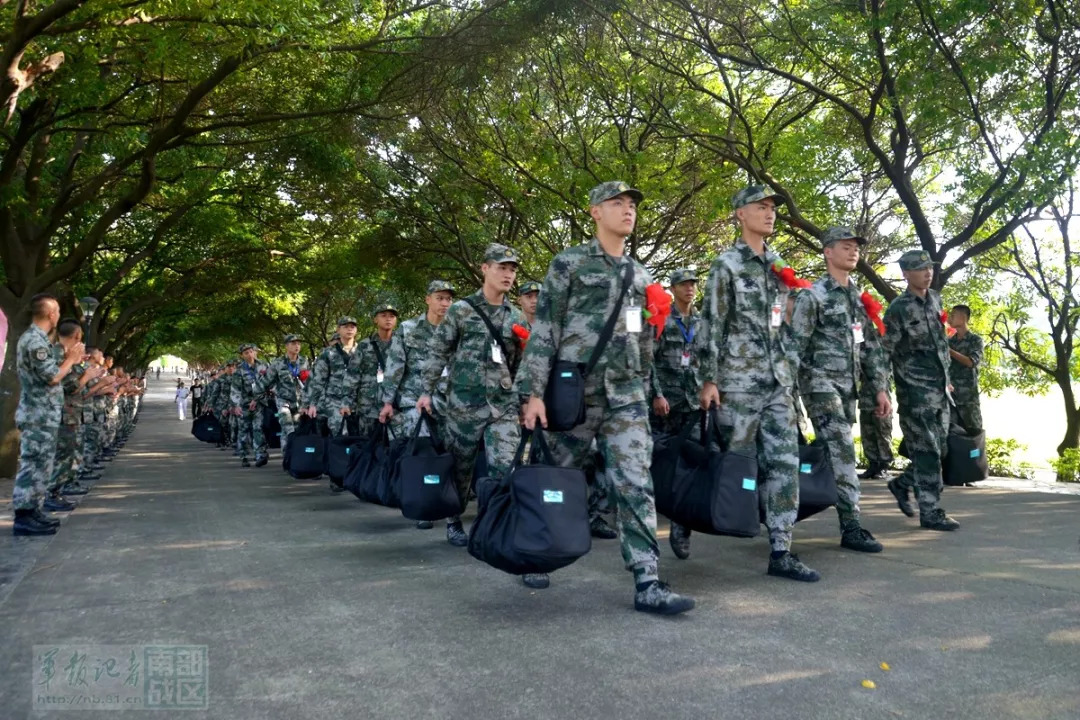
x=536, y=519
x=564, y=397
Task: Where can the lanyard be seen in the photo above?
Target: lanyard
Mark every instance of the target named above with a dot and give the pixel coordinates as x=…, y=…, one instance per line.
x=248, y=370
x=687, y=336
x=293, y=369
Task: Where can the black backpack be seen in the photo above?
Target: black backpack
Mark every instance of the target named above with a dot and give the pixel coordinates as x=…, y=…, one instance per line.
x=703, y=488
x=341, y=450
x=206, y=428
x=536, y=519
x=271, y=426
x=305, y=454
x=967, y=461
x=426, y=485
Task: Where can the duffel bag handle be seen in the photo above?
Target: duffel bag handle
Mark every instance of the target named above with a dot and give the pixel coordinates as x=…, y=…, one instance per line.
x=425, y=417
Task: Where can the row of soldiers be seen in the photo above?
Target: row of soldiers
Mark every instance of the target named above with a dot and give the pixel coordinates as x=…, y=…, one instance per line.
x=76, y=410
x=481, y=366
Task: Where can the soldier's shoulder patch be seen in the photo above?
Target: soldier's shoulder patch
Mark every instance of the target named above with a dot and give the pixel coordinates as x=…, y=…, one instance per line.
x=41, y=353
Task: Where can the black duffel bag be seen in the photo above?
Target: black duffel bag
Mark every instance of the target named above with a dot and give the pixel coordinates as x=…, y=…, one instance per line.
x=536, y=519
x=425, y=483
x=305, y=451
x=967, y=461
x=369, y=462
x=271, y=426
x=207, y=428
x=702, y=487
x=817, y=482
x=340, y=449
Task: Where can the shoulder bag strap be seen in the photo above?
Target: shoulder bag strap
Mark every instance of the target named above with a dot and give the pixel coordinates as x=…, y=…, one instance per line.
x=495, y=335
x=609, y=327
x=378, y=354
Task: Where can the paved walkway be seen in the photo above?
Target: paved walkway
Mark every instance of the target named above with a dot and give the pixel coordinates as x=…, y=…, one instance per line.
x=314, y=605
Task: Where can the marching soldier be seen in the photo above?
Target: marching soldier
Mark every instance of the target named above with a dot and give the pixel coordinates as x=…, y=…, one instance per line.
x=675, y=383
x=581, y=290
x=284, y=381
x=834, y=337
x=746, y=369
x=247, y=403
x=373, y=354
x=481, y=409
x=334, y=379
x=965, y=356
x=916, y=343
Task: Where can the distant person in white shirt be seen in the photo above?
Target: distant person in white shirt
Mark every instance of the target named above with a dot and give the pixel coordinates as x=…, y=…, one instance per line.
x=181, y=398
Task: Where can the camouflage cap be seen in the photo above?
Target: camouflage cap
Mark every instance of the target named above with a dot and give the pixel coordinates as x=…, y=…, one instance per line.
x=439, y=286
x=837, y=233
x=346, y=320
x=497, y=253
x=385, y=307
x=613, y=188
x=683, y=275
x=753, y=193
x=232, y=363
x=529, y=287
x=246, y=346
x=915, y=260
x=291, y=338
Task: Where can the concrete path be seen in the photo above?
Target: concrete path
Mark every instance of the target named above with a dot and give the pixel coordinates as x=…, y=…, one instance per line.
x=313, y=605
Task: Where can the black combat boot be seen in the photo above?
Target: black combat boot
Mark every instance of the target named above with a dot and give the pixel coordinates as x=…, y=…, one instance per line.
x=903, y=497
x=26, y=524
x=599, y=528
x=679, y=537
x=789, y=566
x=854, y=537
x=936, y=519
x=656, y=597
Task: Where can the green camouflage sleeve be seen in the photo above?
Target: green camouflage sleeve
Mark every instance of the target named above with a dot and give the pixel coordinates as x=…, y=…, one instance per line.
x=320, y=376
x=804, y=318
x=873, y=359
x=656, y=390
x=267, y=381
x=978, y=347
x=712, y=334
x=395, y=367
x=441, y=346
x=894, y=330
x=236, y=395
x=543, y=347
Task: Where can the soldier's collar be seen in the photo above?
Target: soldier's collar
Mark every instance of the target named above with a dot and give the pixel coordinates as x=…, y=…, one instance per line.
x=748, y=254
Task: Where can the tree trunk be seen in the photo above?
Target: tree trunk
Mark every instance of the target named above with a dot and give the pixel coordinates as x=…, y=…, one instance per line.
x=1071, y=441
x=18, y=321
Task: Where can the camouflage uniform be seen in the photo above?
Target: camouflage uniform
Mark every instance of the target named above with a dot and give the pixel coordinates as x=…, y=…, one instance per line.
x=37, y=417
x=283, y=379
x=334, y=381
x=744, y=349
x=579, y=293
x=674, y=373
x=372, y=376
x=92, y=420
x=244, y=389
x=875, y=432
x=916, y=343
x=965, y=380
x=403, y=384
x=833, y=338
x=67, y=438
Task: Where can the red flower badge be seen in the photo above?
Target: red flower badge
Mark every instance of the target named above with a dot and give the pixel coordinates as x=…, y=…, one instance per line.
x=657, y=307
x=304, y=375
x=521, y=333
x=786, y=273
x=873, y=311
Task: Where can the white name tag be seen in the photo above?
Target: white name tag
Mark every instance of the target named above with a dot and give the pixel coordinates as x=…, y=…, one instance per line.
x=685, y=362
x=446, y=371
x=633, y=319
x=379, y=376
x=856, y=331
x=496, y=353
x=776, y=316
